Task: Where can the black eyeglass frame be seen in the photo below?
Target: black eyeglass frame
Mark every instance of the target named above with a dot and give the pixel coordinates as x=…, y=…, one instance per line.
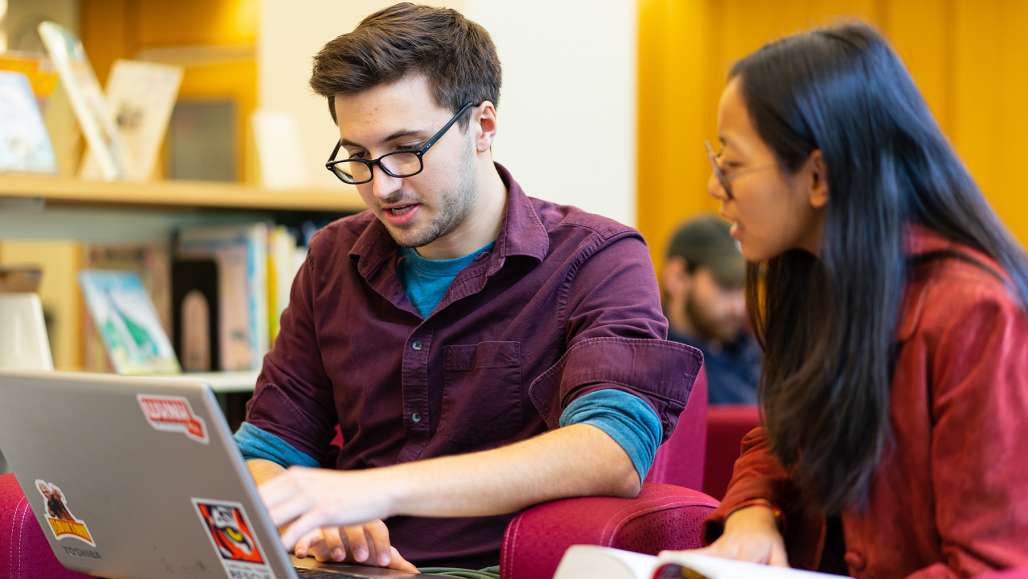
x=722, y=179
x=371, y=163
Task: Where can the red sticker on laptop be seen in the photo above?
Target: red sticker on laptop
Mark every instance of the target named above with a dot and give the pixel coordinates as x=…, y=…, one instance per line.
x=62, y=523
x=232, y=536
x=173, y=414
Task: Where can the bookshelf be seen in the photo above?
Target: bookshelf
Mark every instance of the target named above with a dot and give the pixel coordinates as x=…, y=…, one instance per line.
x=66, y=213
x=68, y=192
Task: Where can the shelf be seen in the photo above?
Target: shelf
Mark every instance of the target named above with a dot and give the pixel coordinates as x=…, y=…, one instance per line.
x=58, y=191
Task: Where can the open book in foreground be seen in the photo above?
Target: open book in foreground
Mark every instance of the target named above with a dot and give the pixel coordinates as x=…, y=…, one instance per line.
x=589, y=561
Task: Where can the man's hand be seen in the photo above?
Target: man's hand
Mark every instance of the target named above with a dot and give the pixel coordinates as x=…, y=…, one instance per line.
x=311, y=499
x=752, y=535
x=366, y=544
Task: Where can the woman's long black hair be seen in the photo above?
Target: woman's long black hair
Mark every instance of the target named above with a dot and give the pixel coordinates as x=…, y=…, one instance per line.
x=827, y=322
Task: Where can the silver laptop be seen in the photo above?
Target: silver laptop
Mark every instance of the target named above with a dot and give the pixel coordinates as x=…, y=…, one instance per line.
x=140, y=477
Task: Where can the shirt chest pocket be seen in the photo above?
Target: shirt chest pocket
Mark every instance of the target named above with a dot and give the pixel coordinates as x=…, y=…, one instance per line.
x=482, y=395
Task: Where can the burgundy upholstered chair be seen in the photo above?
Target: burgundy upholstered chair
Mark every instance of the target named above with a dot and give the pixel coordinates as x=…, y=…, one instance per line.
x=24, y=552
x=726, y=425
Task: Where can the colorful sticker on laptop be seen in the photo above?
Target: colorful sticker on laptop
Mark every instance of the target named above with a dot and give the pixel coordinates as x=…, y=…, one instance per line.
x=63, y=524
x=233, y=538
x=173, y=414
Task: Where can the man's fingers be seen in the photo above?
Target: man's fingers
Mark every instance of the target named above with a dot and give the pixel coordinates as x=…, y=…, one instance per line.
x=359, y=550
x=303, y=525
x=334, y=543
x=378, y=539
x=303, y=546
x=396, y=561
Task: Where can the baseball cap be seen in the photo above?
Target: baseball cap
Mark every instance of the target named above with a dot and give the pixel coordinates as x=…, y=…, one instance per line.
x=706, y=242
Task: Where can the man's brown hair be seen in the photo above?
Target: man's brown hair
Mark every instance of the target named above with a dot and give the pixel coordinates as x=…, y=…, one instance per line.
x=455, y=55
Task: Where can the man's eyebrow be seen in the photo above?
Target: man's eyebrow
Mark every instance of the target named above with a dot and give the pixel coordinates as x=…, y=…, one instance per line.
x=391, y=137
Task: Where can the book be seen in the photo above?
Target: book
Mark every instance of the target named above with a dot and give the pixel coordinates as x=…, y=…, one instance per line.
x=141, y=96
x=127, y=321
x=87, y=100
x=36, y=68
x=152, y=262
x=24, y=143
x=58, y=262
x=283, y=265
x=241, y=252
x=19, y=279
x=606, y=563
x=195, y=307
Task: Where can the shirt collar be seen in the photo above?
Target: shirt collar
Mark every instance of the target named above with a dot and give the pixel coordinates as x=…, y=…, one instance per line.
x=521, y=233
x=920, y=241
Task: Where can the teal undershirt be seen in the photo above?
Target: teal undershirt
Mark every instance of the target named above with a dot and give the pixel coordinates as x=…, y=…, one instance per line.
x=426, y=281
x=626, y=418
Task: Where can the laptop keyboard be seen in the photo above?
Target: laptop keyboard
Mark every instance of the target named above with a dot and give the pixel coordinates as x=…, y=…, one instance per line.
x=315, y=573
x=301, y=572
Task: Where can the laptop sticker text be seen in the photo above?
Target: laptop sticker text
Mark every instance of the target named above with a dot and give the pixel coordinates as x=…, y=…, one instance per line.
x=63, y=524
x=173, y=414
x=232, y=536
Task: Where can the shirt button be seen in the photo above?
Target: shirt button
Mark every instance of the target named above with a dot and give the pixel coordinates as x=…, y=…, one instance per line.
x=415, y=418
x=416, y=345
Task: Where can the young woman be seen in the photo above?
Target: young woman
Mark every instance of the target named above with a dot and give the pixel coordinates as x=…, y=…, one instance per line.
x=891, y=305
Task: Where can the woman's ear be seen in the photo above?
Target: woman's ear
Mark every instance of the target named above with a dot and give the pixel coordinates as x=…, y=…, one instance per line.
x=818, y=194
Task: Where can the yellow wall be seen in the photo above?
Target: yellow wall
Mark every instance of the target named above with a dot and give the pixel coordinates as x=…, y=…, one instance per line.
x=970, y=60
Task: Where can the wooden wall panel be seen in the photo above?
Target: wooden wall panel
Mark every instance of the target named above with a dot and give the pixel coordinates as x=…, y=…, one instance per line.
x=969, y=59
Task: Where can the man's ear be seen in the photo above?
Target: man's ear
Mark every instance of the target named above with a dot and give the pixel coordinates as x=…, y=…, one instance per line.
x=818, y=194
x=483, y=121
x=674, y=276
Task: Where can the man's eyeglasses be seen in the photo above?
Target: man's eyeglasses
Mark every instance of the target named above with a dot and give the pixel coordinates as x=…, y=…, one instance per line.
x=402, y=163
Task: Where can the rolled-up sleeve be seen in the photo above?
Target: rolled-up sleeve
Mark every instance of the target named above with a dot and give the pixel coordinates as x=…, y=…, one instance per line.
x=616, y=334
x=293, y=396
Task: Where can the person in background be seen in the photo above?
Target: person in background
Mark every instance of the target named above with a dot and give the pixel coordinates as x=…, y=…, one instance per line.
x=892, y=307
x=480, y=350
x=703, y=279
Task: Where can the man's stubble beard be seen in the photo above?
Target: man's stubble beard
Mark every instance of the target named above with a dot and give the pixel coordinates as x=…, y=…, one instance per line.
x=454, y=209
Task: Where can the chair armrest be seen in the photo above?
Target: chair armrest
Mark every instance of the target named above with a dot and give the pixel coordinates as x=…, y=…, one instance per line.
x=662, y=517
x=25, y=551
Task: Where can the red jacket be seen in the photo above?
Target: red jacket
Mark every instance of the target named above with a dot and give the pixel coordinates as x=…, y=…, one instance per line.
x=950, y=495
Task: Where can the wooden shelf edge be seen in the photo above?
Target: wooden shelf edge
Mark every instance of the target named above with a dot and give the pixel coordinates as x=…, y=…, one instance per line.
x=178, y=194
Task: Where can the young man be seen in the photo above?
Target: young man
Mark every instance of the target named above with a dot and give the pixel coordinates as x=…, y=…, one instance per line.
x=481, y=351
x=704, y=298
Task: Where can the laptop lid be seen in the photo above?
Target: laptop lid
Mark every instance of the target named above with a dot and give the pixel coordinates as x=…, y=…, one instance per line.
x=138, y=477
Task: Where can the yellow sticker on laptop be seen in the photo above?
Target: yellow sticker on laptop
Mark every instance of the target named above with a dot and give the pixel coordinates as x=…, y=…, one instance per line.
x=63, y=524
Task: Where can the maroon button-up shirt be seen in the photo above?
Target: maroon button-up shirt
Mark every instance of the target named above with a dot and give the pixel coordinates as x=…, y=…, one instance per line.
x=564, y=304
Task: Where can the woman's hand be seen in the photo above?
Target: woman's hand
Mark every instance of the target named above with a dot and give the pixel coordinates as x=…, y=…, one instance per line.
x=751, y=534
